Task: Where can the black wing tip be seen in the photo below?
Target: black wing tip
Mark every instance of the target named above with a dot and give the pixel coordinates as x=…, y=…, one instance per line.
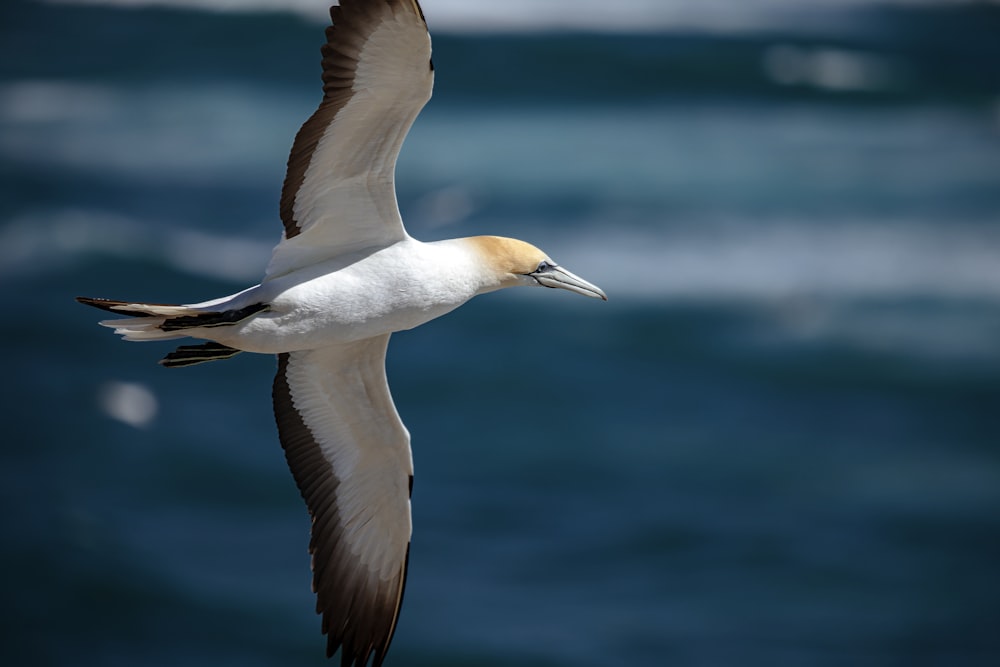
x=378, y=644
x=189, y=355
x=213, y=318
x=337, y=12
x=98, y=302
x=358, y=617
x=357, y=659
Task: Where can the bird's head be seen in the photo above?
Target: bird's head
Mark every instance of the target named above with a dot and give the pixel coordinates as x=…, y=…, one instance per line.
x=515, y=262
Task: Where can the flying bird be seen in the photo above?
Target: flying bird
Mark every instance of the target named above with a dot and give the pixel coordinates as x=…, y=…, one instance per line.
x=345, y=276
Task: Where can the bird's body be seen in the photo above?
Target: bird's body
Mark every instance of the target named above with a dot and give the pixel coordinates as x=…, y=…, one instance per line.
x=345, y=299
x=344, y=277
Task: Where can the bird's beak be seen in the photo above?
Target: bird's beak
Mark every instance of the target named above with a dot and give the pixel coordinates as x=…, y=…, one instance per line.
x=558, y=277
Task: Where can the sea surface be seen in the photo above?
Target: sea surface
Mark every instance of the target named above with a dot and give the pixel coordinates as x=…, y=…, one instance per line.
x=778, y=443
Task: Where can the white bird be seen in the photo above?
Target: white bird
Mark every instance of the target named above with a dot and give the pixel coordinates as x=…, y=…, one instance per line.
x=345, y=276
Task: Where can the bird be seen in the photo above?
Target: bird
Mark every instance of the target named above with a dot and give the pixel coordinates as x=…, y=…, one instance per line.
x=343, y=278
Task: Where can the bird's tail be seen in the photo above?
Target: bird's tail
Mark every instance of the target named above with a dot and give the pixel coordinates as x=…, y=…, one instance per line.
x=157, y=321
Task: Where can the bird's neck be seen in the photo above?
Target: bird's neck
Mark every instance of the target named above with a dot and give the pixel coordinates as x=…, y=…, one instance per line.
x=476, y=260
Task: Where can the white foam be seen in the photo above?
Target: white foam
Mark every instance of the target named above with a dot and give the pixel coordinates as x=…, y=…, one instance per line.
x=194, y=133
x=528, y=15
x=745, y=260
x=847, y=283
x=787, y=260
x=837, y=70
x=42, y=242
x=129, y=402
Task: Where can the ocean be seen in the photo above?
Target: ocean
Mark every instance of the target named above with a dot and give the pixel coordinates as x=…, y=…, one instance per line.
x=778, y=442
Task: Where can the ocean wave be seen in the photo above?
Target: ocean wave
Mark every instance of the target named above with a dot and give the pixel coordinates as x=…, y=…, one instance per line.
x=46, y=242
x=189, y=133
x=914, y=292
x=528, y=15
x=746, y=261
x=787, y=260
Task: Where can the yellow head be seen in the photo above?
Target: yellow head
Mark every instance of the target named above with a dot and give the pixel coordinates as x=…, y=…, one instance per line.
x=515, y=262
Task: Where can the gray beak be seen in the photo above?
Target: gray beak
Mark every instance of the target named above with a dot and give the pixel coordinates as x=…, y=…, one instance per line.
x=558, y=277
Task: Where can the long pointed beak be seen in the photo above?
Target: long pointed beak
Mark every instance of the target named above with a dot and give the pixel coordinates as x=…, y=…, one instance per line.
x=558, y=277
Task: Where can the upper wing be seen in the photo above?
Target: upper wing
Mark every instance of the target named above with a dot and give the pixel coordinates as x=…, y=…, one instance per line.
x=339, y=194
x=350, y=456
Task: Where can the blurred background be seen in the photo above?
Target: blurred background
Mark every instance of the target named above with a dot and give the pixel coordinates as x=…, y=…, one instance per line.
x=777, y=444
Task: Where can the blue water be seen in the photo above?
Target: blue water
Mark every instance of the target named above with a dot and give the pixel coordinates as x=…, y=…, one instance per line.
x=777, y=444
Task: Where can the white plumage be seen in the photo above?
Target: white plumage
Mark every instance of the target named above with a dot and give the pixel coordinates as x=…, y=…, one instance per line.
x=344, y=277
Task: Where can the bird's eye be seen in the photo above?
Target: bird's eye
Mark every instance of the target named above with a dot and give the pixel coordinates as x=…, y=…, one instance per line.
x=543, y=266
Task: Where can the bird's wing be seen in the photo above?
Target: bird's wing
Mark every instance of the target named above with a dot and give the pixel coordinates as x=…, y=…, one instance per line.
x=350, y=456
x=339, y=193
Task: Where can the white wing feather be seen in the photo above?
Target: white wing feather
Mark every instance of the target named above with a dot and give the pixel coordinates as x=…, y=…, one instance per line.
x=339, y=194
x=350, y=456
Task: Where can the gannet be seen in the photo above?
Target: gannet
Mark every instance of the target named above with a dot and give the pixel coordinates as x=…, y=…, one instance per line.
x=344, y=277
